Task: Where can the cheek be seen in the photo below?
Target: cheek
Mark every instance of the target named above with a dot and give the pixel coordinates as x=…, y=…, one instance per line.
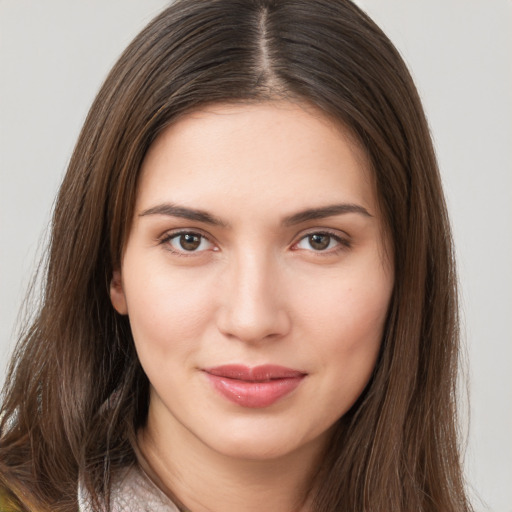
x=350, y=310
x=167, y=311
x=346, y=321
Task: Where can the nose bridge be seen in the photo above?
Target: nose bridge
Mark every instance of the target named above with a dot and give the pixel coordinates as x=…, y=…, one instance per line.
x=254, y=306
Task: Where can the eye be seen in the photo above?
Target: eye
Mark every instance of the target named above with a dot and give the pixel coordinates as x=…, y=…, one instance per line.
x=320, y=242
x=188, y=242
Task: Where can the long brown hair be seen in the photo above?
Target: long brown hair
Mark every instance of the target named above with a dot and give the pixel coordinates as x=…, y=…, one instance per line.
x=76, y=395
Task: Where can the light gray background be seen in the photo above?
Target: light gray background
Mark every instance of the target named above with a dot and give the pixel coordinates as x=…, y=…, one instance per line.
x=54, y=55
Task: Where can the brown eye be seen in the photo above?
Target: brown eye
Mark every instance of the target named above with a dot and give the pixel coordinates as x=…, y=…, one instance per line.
x=188, y=242
x=319, y=241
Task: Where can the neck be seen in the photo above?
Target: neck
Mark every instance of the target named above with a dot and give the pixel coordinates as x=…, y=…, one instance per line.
x=200, y=479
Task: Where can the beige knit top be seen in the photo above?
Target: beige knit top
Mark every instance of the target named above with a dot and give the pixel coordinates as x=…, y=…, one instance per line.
x=132, y=491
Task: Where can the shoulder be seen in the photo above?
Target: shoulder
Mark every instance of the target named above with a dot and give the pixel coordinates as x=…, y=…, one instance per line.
x=131, y=490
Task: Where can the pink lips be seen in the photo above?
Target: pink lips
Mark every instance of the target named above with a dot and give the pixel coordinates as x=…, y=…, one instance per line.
x=256, y=387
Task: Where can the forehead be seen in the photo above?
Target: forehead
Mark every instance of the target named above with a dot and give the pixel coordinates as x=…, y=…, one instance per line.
x=278, y=154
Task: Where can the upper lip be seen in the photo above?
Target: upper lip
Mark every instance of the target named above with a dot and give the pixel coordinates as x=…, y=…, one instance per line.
x=261, y=373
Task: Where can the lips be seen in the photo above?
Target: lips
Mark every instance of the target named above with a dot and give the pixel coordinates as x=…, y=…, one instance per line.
x=256, y=387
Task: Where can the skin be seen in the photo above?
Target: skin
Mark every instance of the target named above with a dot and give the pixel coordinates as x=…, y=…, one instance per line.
x=256, y=290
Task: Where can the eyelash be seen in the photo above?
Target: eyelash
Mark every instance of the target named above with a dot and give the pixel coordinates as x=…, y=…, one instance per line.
x=169, y=236
x=342, y=243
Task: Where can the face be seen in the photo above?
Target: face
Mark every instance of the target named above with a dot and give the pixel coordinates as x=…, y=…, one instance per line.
x=256, y=278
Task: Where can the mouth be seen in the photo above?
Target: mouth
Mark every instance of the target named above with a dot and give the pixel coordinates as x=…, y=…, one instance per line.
x=256, y=387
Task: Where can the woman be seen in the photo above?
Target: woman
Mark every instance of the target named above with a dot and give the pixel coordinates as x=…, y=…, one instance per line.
x=250, y=298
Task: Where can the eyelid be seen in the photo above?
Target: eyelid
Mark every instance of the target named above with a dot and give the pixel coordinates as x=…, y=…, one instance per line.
x=343, y=239
x=173, y=233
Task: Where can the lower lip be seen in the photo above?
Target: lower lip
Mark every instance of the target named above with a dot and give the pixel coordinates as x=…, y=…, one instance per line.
x=254, y=394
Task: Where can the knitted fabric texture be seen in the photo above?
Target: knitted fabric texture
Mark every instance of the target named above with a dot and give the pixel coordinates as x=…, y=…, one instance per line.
x=132, y=491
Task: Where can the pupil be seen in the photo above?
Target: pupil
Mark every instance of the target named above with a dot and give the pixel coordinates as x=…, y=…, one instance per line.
x=319, y=241
x=190, y=242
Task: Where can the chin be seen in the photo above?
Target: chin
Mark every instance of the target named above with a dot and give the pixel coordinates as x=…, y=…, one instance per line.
x=254, y=449
x=263, y=443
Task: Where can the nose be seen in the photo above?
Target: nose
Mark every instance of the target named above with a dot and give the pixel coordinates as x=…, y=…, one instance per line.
x=254, y=306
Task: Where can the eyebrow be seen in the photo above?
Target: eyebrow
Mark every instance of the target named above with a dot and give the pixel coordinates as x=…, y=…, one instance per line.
x=325, y=211
x=172, y=210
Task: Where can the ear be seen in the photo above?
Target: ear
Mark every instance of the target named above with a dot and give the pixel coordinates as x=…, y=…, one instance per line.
x=117, y=296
